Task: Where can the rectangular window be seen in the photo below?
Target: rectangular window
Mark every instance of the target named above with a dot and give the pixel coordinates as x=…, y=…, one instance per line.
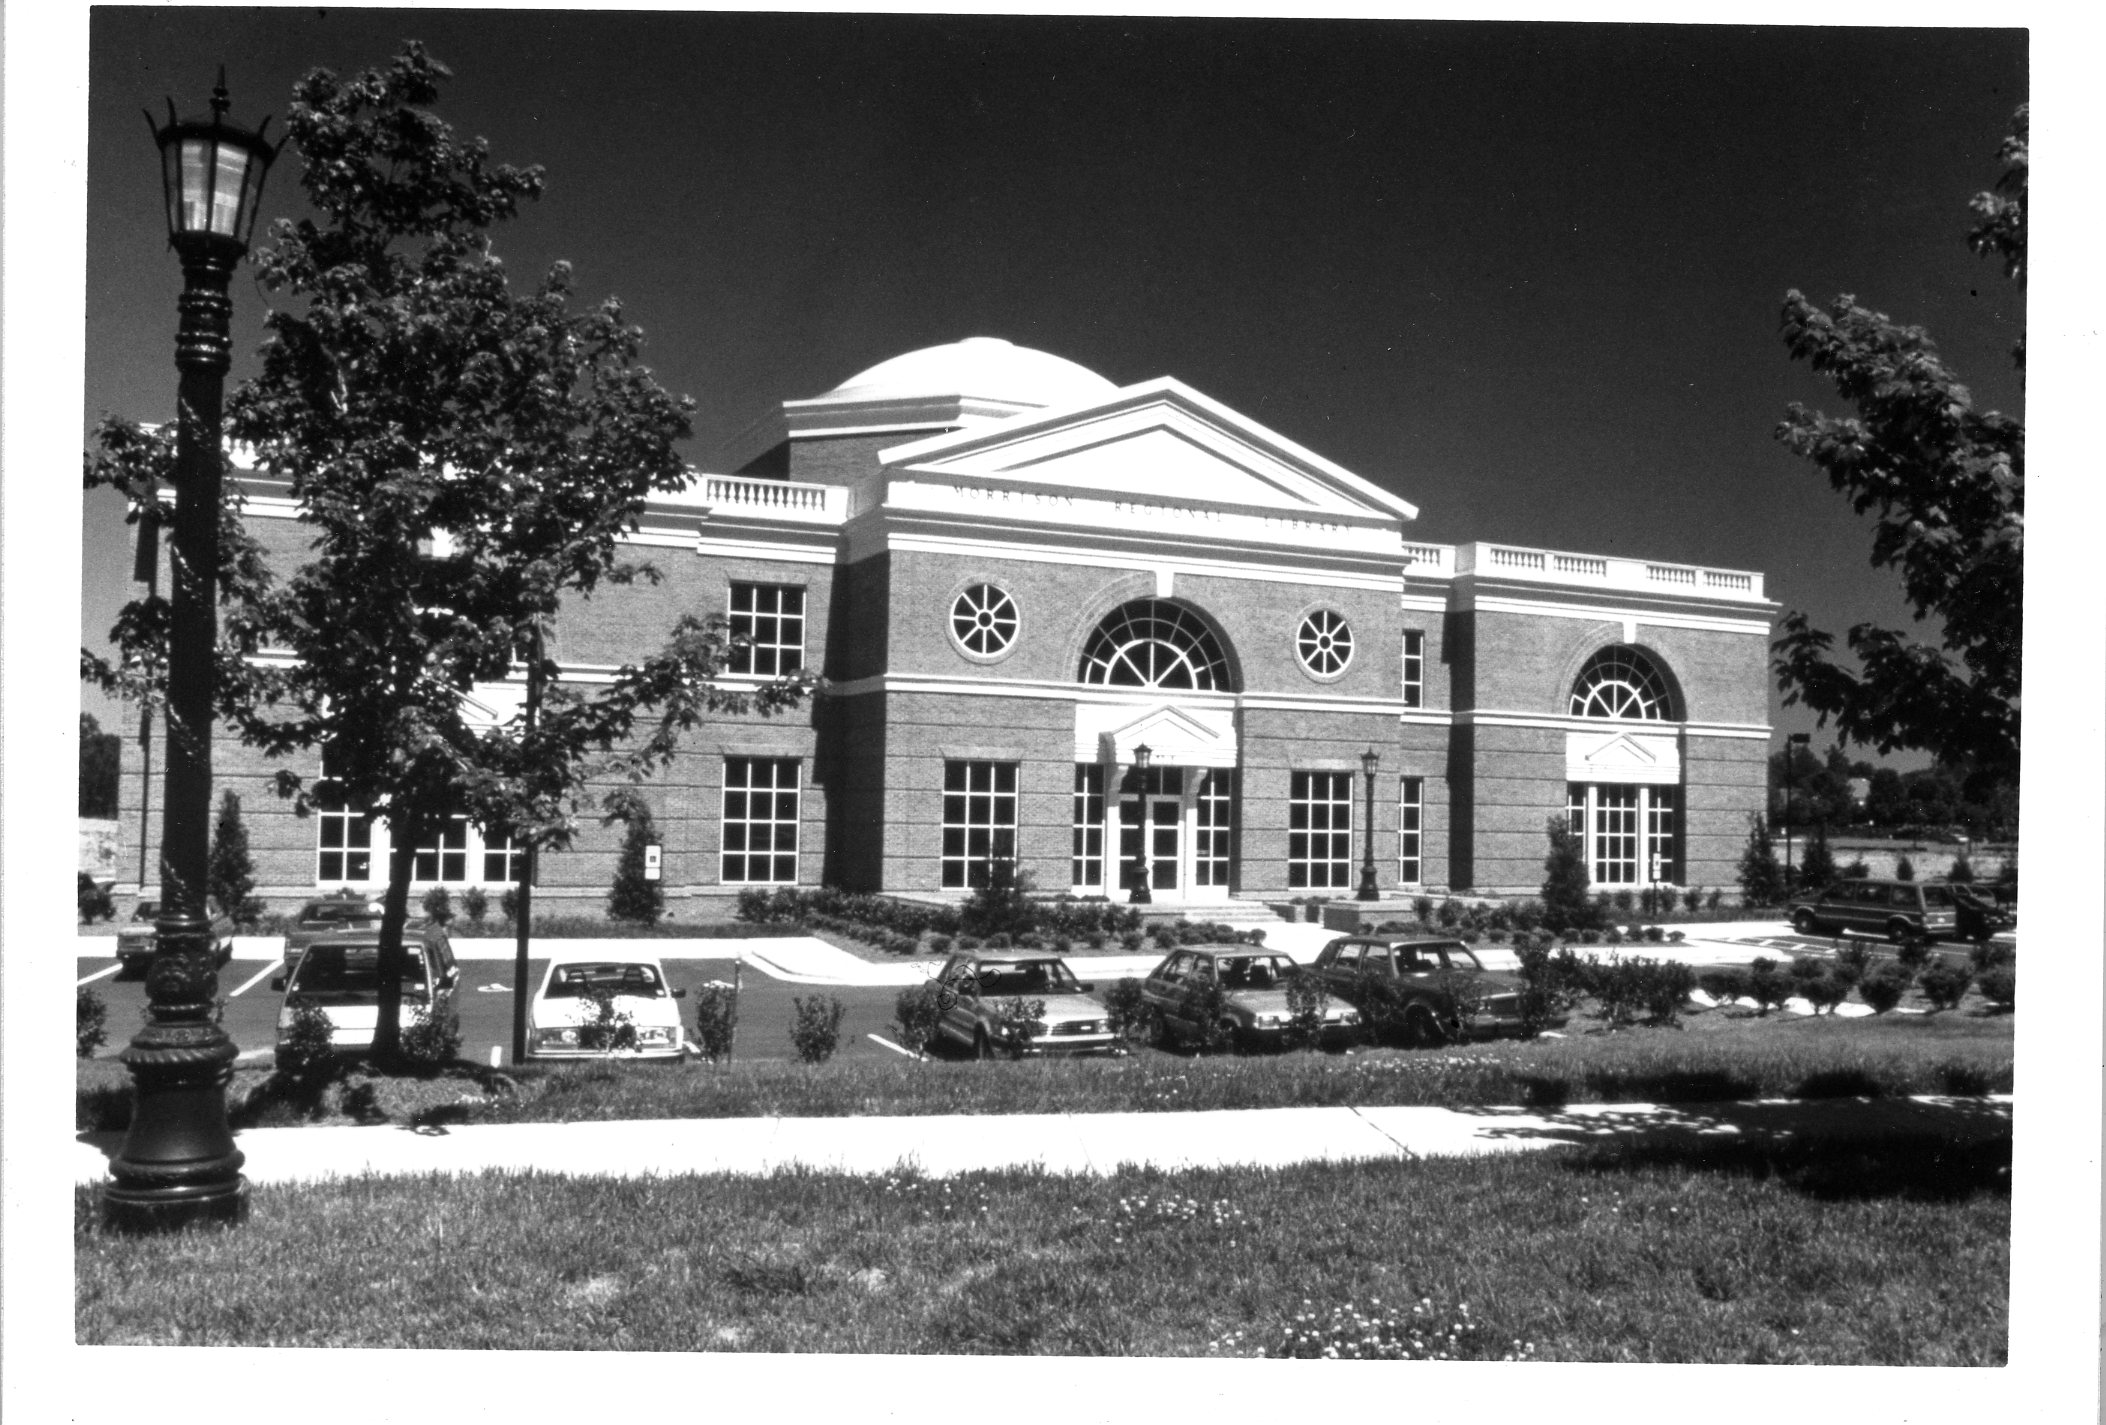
x=1414, y=668
x=771, y=618
x=344, y=850
x=1087, y=862
x=504, y=861
x=1661, y=861
x=1411, y=811
x=1215, y=813
x=446, y=860
x=979, y=820
x=760, y=821
x=1320, y=830
x=1615, y=836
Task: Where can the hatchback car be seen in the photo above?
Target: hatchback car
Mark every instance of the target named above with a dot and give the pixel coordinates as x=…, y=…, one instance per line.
x=340, y=975
x=135, y=938
x=1424, y=992
x=1245, y=989
x=1898, y=910
x=979, y=992
x=596, y=1006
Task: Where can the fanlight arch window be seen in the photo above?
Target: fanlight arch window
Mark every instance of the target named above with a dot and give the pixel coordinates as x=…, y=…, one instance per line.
x=1153, y=643
x=1621, y=682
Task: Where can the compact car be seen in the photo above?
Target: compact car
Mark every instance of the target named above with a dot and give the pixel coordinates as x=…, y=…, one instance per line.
x=1898, y=910
x=979, y=991
x=135, y=938
x=597, y=1006
x=340, y=974
x=1423, y=992
x=319, y=917
x=1244, y=993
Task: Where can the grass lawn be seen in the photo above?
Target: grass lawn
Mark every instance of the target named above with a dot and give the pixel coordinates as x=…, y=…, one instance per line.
x=1825, y=1253
x=1715, y=1055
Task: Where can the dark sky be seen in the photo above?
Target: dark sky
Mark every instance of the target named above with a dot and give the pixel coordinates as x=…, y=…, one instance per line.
x=1525, y=275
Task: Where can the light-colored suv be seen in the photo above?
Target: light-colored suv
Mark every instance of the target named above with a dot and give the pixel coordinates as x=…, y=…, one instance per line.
x=1898, y=910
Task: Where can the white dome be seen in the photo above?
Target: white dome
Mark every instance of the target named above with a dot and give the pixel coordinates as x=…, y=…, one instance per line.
x=980, y=367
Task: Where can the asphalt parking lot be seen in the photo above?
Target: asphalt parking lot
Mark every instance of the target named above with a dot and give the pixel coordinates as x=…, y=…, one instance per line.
x=485, y=1004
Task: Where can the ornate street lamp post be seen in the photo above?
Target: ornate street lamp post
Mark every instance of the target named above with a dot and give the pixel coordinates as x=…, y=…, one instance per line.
x=1367, y=891
x=1137, y=873
x=179, y=1163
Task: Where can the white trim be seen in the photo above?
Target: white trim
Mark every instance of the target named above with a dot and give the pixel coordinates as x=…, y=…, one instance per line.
x=1140, y=564
x=1493, y=718
x=827, y=554
x=1494, y=604
x=1105, y=694
x=1423, y=603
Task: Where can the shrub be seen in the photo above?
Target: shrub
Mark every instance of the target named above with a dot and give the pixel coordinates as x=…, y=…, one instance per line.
x=1855, y=954
x=475, y=904
x=753, y=907
x=1450, y=913
x=1857, y=870
x=92, y=901
x=1725, y=983
x=1999, y=985
x=1824, y=991
x=1988, y=954
x=1913, y=953
x=306, y=1057
x=1961, y=873
x=1590, y=937
x=915, y=1014
x=89, y=1016
x=1124, y=1007
x=1817, y=866
x=607, y=1027
x=1422, y=907
x=940, y=944
x=1550, y=986
x=1307, y=1001
x=1767, y=984
x=1564, y=891
x=998, y=941
x=1904, y=868
x=229, y=873
x=1712, y=897
x=1655, y=934
x=716, y=1020
x=1131, y=940
x=1003, y=905
x=508, y=904
x=1946, y=985
x=1663, y=989
x=1018, y=1019
x=429, y=1042
x=438, y=905
x=815, y=1032
x=632, y=896
x=1883, y=988
x=1622, y=900
x=1761, y=878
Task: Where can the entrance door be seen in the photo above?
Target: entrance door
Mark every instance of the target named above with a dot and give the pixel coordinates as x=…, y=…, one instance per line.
x=1151, y=831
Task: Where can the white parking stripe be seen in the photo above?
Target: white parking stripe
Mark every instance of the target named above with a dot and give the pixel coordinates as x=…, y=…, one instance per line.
x=99, y=974
x=885, y=1043
x=252, y=981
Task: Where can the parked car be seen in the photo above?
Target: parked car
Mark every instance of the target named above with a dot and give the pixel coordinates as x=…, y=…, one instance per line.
x=135, y=938
x=642, y=1020
x=1422, y=992
x=318, y=917
x=975, y=990
x=1898, y=910
x=1245, y=989
x=340, y=974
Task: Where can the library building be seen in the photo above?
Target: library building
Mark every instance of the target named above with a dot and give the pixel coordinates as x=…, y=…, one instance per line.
x=1116, y=634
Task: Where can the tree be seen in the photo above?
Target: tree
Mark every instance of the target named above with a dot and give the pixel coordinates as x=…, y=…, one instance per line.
x=465, y=459
x=1947, y=486
x=633, y=896
x=98, y=769
x=230, y=875
x=1817, y=868
x=1761, y=877
x=1565, y=902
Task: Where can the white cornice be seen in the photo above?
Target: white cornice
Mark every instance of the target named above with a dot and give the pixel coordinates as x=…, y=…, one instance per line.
x=1468, y=599
x=1489, y=717
x=1138, y=560
x=1099, y=695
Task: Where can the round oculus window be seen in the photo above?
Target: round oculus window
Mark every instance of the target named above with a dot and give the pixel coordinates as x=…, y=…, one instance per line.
x=1325, y=643
x=984, y=620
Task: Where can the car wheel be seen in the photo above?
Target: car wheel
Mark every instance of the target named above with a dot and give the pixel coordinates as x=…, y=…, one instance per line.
x=983, y=1047
x=1899, y=931
x=1421, y=1029
x=1228, y=1040
x=1803, y=921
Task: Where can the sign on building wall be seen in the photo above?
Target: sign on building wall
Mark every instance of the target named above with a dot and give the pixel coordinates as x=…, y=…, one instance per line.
x=653, y=858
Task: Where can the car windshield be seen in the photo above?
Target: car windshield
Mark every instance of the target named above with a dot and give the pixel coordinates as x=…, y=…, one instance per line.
x=146, y=910
x=342, y=912
x=1253, y=972
x=328, y=969
x=610, y=977
x=1027, y=977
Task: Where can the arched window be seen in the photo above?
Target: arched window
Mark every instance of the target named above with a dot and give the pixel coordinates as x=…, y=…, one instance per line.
x=1621, y=682
x=1152, y=643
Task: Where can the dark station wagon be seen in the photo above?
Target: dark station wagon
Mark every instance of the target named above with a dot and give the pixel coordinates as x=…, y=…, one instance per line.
x=1898, y=910
x=1424, y=992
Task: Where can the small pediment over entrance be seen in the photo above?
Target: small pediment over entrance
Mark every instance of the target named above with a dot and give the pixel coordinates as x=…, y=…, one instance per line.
x=1623, y=757
x=1175, y=737
x=1159, y=441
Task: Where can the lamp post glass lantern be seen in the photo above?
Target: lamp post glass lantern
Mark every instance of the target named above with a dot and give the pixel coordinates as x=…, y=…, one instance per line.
x=179, y=1163
x=1368, y=891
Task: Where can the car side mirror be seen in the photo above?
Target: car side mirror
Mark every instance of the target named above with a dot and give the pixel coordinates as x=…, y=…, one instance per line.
x=277, y=982
x=680, y=994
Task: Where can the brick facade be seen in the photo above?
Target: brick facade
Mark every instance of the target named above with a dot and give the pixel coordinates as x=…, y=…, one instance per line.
x=885, y=507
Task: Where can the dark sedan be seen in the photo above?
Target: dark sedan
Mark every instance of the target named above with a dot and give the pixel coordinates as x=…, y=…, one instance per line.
x=1421, y=992
x=1235, y=997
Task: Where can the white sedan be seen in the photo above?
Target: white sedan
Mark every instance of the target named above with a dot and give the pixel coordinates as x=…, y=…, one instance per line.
x=599, y=1006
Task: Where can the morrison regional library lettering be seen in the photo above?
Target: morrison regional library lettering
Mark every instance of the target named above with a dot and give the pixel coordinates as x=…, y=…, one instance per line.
x=1014, y=575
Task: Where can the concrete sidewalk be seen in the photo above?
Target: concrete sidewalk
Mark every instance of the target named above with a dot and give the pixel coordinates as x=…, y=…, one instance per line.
x=1062, y=1143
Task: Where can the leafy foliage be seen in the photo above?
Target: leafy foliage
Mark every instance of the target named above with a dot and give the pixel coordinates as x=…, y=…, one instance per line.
x=1883, y=988
x=633, y=896
x=1945, y=484
x=1945, y=985
x=465, y=459
x=99, y=755
x=438, y=905
x=91, y=900
x=1817, y=868
x=1307, y=1002
x=90, y=1015
x=1565, y=902
x=1003, y=905
x=431, y=1041
x=605, y=1027
x=1761, y=877
x=1125, y=1008
x=716, y=1020
x=916, y=1013
x=815, y=1030
x=1999, y=985
x=230, y=873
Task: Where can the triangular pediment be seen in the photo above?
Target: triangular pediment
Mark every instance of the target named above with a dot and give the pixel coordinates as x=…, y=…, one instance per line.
x=1159, y=442
x=1622, y=751
x=1622, y=757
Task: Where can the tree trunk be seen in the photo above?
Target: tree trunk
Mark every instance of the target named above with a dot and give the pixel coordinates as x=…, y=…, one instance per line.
x=403, y=841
